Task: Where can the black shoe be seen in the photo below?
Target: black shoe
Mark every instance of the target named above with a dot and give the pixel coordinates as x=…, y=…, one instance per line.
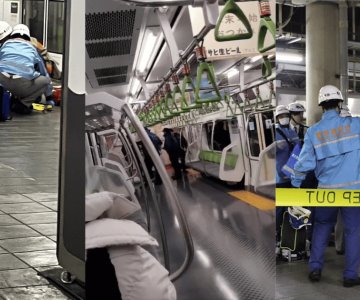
x=340, y=252
x=315, y=275
x=351, y=282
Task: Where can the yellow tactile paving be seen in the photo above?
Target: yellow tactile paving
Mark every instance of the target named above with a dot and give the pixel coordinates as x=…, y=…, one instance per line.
x=255, y=200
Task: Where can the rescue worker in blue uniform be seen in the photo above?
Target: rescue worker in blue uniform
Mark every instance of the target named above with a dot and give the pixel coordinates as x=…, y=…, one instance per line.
x=286, y=138
x=332, y=149
x=22, y=69
x=297, y=118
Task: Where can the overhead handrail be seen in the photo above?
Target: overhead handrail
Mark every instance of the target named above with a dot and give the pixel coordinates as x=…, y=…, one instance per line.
x=174, y=201
x=232, y=8
x=186, y=53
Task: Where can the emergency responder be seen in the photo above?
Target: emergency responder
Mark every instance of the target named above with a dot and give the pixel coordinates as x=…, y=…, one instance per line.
x=286, y=138
x=22, y=70
x=332, y=149
x=297, y=118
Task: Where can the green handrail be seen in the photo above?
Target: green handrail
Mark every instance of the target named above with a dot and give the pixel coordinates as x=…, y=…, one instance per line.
x=258, y=98
x=229, y=110
x=232, y=8
x=208, y=69
x=177, y=101
x=188, y=102
x=266, y=24
x=167, y=103
x=266, y=68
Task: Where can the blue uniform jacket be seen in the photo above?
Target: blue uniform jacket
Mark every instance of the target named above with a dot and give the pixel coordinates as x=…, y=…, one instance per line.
x=20, y=57
x=283, y=150
x=332, y=149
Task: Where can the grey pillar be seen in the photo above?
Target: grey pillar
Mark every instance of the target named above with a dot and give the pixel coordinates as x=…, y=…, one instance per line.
x=322, y=53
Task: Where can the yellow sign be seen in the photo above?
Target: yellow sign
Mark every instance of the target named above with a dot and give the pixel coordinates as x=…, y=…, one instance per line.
x=317, y=197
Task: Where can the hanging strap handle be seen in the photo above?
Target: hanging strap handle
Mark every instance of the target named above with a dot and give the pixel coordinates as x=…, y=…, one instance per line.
x=266, y=24
x=232, y=8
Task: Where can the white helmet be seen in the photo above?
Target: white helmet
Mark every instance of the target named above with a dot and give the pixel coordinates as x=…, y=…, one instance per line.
x=329, y=92
x=345, y=111
x=281, y=109
x=5, y=29
x=296, y=107
x=21, y=29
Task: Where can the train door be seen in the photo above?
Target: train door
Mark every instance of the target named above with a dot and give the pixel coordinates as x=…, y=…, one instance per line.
x=261, y=152
x=45, y=19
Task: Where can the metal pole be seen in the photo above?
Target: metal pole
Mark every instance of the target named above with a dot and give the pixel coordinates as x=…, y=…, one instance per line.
x=354, y=51
x=153, y=195
x=343, y=41
x=170, y=191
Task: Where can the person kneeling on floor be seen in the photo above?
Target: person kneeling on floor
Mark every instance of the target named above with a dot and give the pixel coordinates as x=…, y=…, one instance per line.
x=22, y=70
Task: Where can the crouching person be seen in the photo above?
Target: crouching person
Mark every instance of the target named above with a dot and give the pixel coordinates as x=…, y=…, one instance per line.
x=22, y=70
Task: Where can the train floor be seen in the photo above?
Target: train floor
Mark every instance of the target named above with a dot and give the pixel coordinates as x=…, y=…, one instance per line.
x=28, y=204
x=292, y=280
x=233, y=243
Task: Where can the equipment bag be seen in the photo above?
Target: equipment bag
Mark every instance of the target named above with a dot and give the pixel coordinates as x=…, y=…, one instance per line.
x=5, y=101
x=288, y=168
x=292, y=239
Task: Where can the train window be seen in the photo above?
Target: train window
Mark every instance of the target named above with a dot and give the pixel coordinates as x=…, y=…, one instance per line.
x=34, y=18
x=267, y=124
x=221, y=135
x=254, y=143
x=55, y=26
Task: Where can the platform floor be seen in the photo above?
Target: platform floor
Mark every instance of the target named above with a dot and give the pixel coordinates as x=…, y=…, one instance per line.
x=292, y=282
x=29, y=149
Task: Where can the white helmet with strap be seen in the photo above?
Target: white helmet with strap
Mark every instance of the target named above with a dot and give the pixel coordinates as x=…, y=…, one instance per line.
x=329, y=92
x=5, y=29
x=281, y=109
x=296, y=107
x=21, y=29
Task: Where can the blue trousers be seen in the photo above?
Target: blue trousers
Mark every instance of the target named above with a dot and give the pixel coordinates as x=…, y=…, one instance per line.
x=325, y=219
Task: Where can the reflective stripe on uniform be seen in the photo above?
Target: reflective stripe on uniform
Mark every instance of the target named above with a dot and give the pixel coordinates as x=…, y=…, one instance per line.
x=337, y=140
x=338, y=185
x=10, y=76
x=287, y=168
